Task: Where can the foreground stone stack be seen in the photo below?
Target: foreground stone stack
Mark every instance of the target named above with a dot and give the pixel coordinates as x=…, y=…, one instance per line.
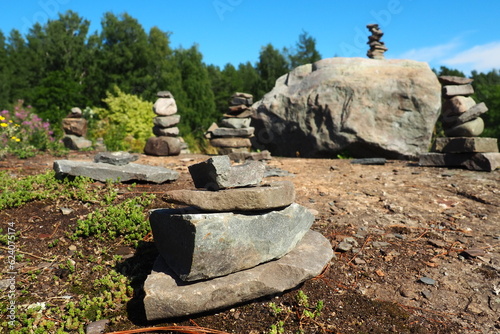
x=237, y=241
x=166, y=141
x=234, y=133
x=462, y=125
x=75, y=129
x=377, y=47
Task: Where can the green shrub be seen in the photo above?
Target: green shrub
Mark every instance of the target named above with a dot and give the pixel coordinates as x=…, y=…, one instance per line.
x=126, y=123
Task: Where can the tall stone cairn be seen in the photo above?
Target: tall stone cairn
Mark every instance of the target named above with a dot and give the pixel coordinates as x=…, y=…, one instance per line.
x=167, y=141
x=234, y=133
x=462, y=125
x=75, y=129
x=377, y=48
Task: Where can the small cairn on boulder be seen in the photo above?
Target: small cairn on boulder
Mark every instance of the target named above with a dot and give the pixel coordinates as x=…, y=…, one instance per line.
x=462, y=125
x=166, y=141
x=377, y=48
x=238, y=240
x=234, y=133
x=75, y=129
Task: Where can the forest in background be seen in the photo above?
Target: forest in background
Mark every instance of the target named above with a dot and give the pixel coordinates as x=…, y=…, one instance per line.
x=60, y=65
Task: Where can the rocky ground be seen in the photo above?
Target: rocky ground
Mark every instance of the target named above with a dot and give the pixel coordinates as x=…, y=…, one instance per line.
x=416, y=249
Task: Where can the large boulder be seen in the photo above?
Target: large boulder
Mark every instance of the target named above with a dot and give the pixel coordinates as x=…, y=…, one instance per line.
x=360, y=107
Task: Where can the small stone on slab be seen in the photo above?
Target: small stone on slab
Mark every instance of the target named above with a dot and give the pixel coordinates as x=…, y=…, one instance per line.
x=472, y=113
x=163, y=146
x=230, y=142
x=466, y=145
x=115, y=158
x=242, y=156
x=217, y=173
x=232, y=132
x=469, y=129
x=76, y=143
x=207, y=245
x=235, y=123
x=165, y=107
x=462, y=90
x=268, y=196
x=473, y=161
x=370, y=161
x=167, y=121
x=165, y=94
x=168, y=297
x=454, y=80
x=169, y=132
x=104, y=172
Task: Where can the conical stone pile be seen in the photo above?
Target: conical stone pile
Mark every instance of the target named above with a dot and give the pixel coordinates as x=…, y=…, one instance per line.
x=462, y=125
x=234, y=133
x=237, y=241
x=377, y=48
x=166, y=141
x=75, y=129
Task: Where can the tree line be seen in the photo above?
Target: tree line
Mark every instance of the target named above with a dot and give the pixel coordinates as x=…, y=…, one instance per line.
x=60, y=64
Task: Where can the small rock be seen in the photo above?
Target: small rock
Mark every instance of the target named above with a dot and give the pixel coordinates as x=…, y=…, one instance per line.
x=427, y=294
x=115, y=158
x=369, y=161
x=72, y=248
x=66, y=211
x=408, y=293
x=380, y=244
x=473, y=252
x=344, y=247
x=427, y=280
x=437, y=243
x=97, y=327
x=359, y=261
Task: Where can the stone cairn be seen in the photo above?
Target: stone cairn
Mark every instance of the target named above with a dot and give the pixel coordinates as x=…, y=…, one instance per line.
x=167, y=140
x=234, y=133
x=75, y=129
x=377, y=48
x=462, y=146
x=237, y=240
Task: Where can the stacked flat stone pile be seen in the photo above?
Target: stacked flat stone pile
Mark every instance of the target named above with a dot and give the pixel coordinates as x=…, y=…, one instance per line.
x=377, y=47
x=237, y=240
x=166, y=141
x=462, y=125
x=75, y=129
x=233, y=133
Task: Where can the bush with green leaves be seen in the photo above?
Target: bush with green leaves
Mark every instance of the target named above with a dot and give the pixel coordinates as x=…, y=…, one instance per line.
x=126, y=123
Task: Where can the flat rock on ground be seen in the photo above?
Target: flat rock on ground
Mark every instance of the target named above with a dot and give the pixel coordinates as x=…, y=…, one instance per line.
x=103, y=171
x=168, y=297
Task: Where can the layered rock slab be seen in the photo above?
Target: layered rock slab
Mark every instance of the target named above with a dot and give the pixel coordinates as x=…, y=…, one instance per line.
x=473, y=161
x=371, y=108
x=168, y=297
x=466, y=145
x=265, y=197
x=207, y=245
x=104, y=171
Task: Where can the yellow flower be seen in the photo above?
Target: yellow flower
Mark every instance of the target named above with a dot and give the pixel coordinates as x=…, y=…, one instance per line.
x=4, y=125
x=14, y=138
x=2, y=118
x=10, y=121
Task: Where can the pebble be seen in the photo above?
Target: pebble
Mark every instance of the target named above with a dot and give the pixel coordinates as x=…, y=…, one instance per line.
x=427, y=280
x=427, y=294
x=72, y=248
x=97, y=327
x=344, y=247
x=66, y=211
x=380, y=244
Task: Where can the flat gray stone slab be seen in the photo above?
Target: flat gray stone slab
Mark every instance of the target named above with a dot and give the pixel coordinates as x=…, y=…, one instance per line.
x=168, y=297
x=466, y=145
x=217, y=173
x=474, y=161
x=455, y=90
x=207, y=245
x=268, y=196
x=103, y=171
x=232, y=132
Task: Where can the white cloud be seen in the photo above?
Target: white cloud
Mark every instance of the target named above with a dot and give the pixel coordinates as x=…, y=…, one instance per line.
x=482, y=58
x=432, y=53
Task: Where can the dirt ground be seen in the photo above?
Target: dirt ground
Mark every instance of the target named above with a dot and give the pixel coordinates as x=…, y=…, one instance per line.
x=417, y=249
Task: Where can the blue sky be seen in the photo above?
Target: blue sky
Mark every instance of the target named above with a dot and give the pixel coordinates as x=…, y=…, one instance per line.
x=458, y=34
